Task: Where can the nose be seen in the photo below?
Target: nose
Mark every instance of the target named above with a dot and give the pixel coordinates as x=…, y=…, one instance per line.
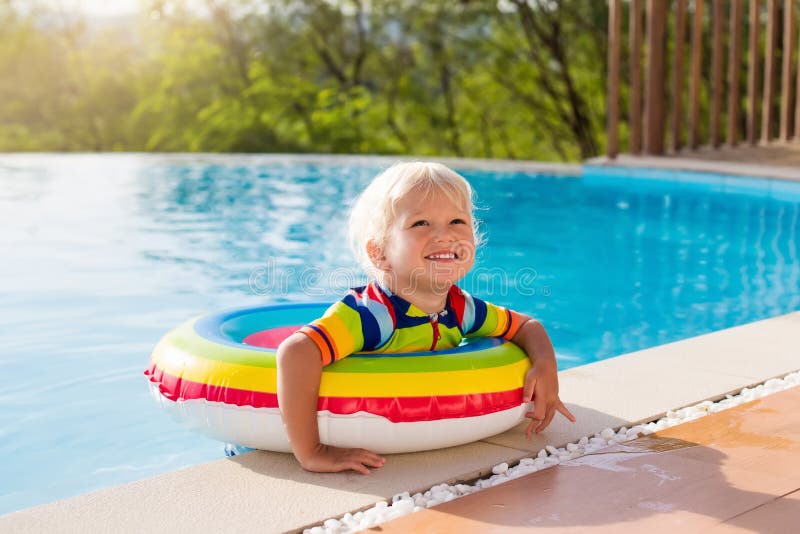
x=445, y=233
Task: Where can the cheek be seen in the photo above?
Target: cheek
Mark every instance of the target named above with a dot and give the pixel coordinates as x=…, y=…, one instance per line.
x=468, y=238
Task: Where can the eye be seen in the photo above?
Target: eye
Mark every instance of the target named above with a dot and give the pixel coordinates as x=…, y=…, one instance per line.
x=419, y=223
x=458, y=221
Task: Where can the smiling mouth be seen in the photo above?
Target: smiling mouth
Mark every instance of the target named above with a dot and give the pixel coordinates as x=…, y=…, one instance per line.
x=442, y=256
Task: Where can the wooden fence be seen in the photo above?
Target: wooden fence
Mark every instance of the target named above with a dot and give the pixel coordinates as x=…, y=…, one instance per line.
x=692, y=105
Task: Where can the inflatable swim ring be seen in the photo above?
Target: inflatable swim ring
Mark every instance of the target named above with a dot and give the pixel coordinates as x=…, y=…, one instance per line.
x=217, y=373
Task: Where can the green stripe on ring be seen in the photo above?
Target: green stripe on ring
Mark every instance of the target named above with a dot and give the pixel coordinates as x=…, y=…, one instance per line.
x=185, y=338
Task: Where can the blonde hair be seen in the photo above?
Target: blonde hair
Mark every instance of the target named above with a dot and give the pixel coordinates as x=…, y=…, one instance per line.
x=374, y=211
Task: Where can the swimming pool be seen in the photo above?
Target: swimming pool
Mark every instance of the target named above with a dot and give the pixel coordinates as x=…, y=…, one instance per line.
x=103, y=254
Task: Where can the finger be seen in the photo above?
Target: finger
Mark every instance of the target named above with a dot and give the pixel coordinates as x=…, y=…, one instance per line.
x=356, y=466
x=528, y=389
x=546, y=421
x=369, y=457
x=565, y=411
x=539, y=411
x=531, y=426
x=373, y=461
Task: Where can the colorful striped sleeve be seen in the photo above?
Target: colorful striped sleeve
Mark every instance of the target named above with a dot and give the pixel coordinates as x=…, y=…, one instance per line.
x=493, y=321
x=337, y=334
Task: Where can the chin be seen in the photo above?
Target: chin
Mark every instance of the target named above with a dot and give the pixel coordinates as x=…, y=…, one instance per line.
x=444, y=283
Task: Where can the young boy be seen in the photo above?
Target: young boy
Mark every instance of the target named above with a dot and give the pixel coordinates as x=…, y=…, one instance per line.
x=414, y=231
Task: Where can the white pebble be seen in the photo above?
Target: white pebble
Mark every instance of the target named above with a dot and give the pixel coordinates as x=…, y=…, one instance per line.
x=332, y=524
x=401, y=496
x=571, y=447
x=607, y=434
x=499, y=480
x=395, y=515
x=551, y=449
x=542, y=454
x=500, y=468
x=404, y=506
x=583, y=441
x=523, y=470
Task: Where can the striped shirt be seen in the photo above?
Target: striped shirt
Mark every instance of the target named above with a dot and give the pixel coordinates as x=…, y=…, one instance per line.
x=372, y=319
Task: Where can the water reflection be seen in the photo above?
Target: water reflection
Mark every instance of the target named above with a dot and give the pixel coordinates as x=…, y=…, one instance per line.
x=233, y=219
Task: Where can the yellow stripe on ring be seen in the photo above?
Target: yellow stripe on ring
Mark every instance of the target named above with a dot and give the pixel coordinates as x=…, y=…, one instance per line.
x=176, y=362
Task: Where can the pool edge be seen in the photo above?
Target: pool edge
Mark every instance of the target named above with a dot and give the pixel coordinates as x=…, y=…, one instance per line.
x=269, y=491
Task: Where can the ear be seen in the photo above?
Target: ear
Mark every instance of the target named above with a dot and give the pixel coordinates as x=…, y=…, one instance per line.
x=376, y=255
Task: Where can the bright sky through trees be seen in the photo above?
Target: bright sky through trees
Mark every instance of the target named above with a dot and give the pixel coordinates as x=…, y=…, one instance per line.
x=97, y=8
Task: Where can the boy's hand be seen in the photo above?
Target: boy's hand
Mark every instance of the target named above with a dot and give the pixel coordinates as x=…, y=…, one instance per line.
x=541, y=387
x=330, y=459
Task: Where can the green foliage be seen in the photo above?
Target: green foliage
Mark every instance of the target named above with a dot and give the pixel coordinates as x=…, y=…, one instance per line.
x=392, y=77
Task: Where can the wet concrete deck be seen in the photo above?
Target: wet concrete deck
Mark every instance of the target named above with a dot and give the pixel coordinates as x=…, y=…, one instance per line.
x=733, y=471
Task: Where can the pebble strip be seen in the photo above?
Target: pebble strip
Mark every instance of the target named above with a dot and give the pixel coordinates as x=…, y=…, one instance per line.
x=404, y=503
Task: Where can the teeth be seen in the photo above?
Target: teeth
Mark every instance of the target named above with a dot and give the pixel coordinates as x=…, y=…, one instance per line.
x=442, y=256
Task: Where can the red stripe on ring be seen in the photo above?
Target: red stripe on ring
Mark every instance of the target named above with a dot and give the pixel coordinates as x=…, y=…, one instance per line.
x=395, y=409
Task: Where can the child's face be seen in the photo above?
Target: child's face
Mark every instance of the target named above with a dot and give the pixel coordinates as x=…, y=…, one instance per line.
x=430, y=245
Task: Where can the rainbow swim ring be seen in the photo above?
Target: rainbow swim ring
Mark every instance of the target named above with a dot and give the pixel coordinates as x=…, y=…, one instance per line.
x=217, y=374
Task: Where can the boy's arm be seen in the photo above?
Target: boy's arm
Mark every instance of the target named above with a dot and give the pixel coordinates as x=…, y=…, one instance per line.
x=541, y=381
x=299, y=373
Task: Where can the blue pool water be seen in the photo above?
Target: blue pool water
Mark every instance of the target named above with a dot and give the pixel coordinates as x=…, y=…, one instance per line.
x=101, y=255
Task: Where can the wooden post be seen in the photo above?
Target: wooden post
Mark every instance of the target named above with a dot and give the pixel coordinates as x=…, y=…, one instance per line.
x=716, y=71
x=677, y=74
x=769, y=72
x=734, y=59
x=752, y=72
x=654, y=84
x=786, y=75
x=635, y=34
x=695, y=80
x=614, y=31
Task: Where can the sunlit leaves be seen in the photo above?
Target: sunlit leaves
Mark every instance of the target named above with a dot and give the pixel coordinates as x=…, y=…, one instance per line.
x=349, y=76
